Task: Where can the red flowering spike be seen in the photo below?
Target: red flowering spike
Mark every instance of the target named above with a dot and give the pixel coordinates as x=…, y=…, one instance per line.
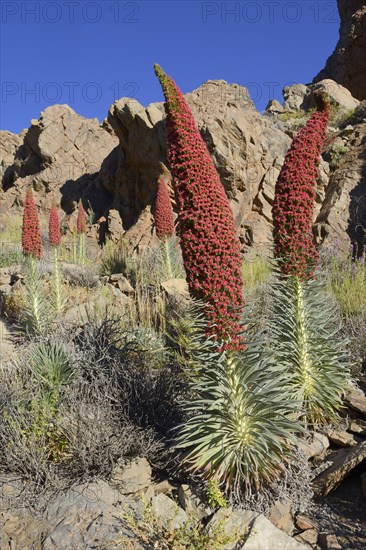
x=31, y=231
x=81, y=220
x=210, y=246
x=295, y=195
x=164, y=220
x=54, y=231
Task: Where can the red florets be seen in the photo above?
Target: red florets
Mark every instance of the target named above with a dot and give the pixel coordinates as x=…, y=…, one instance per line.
x=54, y=231
x=210, y=246
x=31, y=231
x=81, y=219
x=164, y=220
x=295, y=195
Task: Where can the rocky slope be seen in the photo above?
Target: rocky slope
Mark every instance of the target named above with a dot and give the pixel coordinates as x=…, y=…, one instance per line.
x=347, y=64
x=114, y=166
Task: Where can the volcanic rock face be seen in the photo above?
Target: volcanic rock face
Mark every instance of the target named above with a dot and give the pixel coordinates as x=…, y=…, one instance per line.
x=247, y=149
x=343, y=210
x=347, y=64
x=114, y=167
x=59, y=156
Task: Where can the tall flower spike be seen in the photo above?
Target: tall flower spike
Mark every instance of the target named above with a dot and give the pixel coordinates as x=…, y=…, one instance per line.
x=54, y=231
x=295, y=195
x=81, y=219
x=31, y=231
x=210, y=246
x=164, y=220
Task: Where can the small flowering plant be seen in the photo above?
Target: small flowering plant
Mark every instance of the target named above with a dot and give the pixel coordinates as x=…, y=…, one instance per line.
x=54, y=231
x=81, y=231
x=81, y=219
x=31, y=231
x=35, y=310
x=164, y=219
x=54, y=237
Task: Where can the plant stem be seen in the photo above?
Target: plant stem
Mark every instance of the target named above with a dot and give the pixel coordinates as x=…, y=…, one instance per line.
x=168, y=263
x=302, y=340
x=57, y=281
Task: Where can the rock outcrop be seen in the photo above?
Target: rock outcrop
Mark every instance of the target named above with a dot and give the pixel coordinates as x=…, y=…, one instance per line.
x=248, y=151
x=114, y=166
x=347, y=64
x=60, y=156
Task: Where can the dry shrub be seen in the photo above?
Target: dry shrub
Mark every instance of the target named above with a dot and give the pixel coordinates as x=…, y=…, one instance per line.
x=117, y=404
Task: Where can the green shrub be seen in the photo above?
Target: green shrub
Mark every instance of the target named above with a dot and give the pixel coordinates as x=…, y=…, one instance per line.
x=113, y=259
x=347, y=282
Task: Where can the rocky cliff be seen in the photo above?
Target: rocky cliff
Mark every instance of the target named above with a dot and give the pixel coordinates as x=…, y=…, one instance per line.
x=114, y=166
x=347, y=64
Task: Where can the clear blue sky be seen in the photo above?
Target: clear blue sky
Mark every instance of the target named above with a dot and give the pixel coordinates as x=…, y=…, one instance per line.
x=89, y=53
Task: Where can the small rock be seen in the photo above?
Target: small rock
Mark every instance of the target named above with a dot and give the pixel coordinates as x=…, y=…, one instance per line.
x=280, y=514
x=310, y=536
x=348, y=130
x=356, y=399
x=115, y=226
x=328, y=542
x=342, y=462
x=265, y=536
x=274, y=106
x=317, y=445
x=357, y=427
x=304, y=523
x=167, y=512
x=5, y=277
x=176, y=289
x=234, y=525
x=191, y=503
x=163, y=487
x=125, y=286
x=133, y=477
x=342, y=438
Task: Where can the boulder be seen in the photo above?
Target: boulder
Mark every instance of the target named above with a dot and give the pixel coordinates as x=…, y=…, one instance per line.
x=315, y=446
x=265, y=536
x=233, y=524
x=191, y=503
x=167, y=513
x=294, y=96
x=356, y=399
x=60, y=156
x=342, y=462
x=90, y=515
x=280, y=514
x=337, y=94
x=342, y=438
x=274, y=106
x=132, y=477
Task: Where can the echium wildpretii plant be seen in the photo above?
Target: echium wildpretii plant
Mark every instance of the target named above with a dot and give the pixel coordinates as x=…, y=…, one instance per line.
x=164, y=224
x=293, y=206
x=35, y=311
x=210, y=246
x=240, y=427
x=54, y=238
x=306, y=340
x=81, y=231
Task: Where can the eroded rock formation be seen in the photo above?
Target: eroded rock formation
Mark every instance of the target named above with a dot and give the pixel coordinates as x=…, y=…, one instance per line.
x=347, y=64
